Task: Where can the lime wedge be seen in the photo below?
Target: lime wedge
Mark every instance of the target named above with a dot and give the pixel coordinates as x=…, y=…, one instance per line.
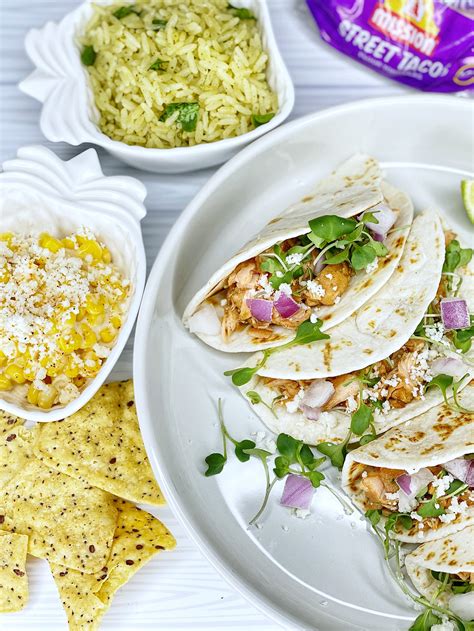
x=467, y=193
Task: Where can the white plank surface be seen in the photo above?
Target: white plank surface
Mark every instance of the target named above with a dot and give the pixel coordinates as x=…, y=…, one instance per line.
x=179, y=590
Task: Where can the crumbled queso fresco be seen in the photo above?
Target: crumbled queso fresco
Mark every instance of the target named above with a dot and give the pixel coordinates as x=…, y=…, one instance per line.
x=61, y=307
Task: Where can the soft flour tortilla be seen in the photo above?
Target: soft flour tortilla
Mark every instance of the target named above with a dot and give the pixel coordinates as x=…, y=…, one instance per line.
x=430, y=439
x=381, y=326
x=333, y=426
x=452, y=554
x=353, y=188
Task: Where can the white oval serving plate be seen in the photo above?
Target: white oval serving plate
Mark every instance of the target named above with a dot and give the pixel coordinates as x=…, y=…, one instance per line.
x=41, y=193
x=60, y=82
x=325, y=572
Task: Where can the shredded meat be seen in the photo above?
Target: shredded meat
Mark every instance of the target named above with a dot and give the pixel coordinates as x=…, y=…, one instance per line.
x=345, y=386
x=286, y=387
x=377, y=484
x=468, y=577
x=293, y=322
x=405, y=360
x=334, y=279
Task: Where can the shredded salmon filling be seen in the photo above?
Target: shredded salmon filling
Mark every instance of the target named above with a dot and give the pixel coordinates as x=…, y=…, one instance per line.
x=248, y=280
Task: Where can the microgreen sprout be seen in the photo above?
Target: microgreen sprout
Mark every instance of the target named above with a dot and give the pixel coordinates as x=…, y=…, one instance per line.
x=443, y=382
x=306, y=333
x=293, y=457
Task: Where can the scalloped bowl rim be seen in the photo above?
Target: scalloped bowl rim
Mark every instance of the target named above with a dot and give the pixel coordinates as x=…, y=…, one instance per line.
x=58, y=413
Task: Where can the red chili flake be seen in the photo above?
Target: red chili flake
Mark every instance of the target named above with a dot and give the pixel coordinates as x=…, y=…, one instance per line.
x=139, y=547
x=18, y=572
x=129, y=562
x=112, y=460
x=11, y=437
x=91, y=548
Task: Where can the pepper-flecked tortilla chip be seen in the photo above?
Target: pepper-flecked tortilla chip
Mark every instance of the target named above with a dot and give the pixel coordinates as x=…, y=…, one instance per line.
x=101, y=444
x=67, y=521
x=138, y=537
x=13, y=579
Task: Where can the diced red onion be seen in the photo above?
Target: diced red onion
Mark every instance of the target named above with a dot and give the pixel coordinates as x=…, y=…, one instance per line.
x=411, y=484
x=286, y=306
x=298, y=492
x=318, y=393
x=452, y=366
x=385, y=217
x=454, y=313
x=312, y=414
x=260, y=309
x=320, y=264
x=205, y=321
x=462, y=469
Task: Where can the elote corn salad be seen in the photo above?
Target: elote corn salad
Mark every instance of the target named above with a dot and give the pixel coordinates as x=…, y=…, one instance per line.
x=62, y=302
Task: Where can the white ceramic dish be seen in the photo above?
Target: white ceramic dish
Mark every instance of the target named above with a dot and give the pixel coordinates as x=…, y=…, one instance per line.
x=60, y=82
x=325, y=572
x=39, y=192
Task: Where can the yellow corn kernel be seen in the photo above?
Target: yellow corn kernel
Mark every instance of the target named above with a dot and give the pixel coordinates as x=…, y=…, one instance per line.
x=15, y=373
x=5, y=382
x=7, y=237
x=32, y=395
x=4, y=275
x=68, y=243
x=70, y=320
x=89, y=338
x=55, y=367
x=95, y=320
x=47, y=397
x=71, y=370
x=95, y=306
x=50, y=243
x=106, y=255
x=116, y=321
x=29, y=372
x=89, y=247
x=70, y=341
x=92, y=363
x=81, y=314
x=3, y=358
x=108, y=334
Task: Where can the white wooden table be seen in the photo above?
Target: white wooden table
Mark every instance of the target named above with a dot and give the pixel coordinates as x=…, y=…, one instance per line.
x=180, y=590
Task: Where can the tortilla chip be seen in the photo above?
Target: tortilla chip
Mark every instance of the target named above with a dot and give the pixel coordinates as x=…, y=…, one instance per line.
x=138, y=537
x=67, y=521
x=102, y=445
x=76, y=591
x=13, y=579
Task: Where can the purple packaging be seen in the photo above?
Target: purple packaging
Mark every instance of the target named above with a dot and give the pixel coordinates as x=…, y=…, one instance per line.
x=426, y=44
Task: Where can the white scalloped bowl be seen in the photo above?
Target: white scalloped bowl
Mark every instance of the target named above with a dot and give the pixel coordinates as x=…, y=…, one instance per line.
x=61, y=83
x=39, y=192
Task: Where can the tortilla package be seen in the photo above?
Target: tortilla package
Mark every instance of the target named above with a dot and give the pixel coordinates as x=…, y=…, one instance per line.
x=299, y=266
x=397, y=388
x=426, y=44
x=444, y=570
x=419, y=474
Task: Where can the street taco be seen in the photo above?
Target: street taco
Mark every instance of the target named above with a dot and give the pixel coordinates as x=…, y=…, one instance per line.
x=396, y=388
x=443, y=570
x=419, y=475
x=323, y=257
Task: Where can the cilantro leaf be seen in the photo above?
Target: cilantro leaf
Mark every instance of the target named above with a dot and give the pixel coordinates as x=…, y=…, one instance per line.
x=362, y=255
x=462, y=338
x=241, y=376
x=374, y=516
x=281, y=467
x=242, y=449
x=331, y=227
x=159, y=64
x=456, y=256
x=287, y=446
x=339, y=257
x=306, y=333
x=254, y=397
x=241, y=13
x=443, y=382
x=425, y=621
x=188, y=114
x=361, y=419
x=123, y=12
x=336, y=452
x=215, y=464
x=88, y=56
x=428, y=509
x=367, y=438
x=261, y=119
x=315, y=477
x=159, y=23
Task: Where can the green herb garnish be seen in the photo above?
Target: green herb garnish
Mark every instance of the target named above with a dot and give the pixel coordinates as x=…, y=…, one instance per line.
x=159, y=24
x=306, y=333
x=255, y=399
x=88, y=56
x=187, y=117
x=241, y=13
x=456, y=585
x=261, y=119
x=159, y=64
x=462, y=338
x=123, y=12
x=443, y=382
